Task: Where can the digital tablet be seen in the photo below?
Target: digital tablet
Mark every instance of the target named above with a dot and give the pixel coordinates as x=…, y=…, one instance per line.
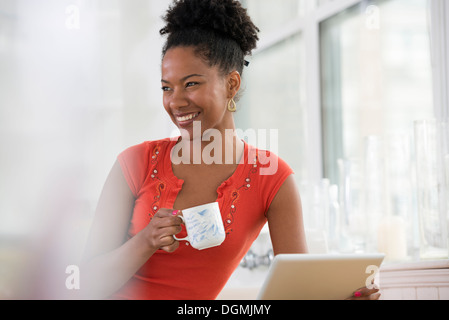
x=319, y=277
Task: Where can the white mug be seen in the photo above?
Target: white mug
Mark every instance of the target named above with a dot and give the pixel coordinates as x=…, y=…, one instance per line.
x=204, y=226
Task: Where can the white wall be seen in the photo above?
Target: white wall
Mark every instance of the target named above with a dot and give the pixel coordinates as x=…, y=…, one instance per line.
x=79, y=82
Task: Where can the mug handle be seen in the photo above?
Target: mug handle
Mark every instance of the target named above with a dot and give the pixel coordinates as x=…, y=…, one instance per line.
x=186, y=238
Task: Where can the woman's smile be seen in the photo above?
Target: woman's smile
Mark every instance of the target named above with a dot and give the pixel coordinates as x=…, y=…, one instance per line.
x=186, y=119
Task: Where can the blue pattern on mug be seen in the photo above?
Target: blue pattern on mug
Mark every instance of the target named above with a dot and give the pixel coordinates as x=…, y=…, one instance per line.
x=205, y=227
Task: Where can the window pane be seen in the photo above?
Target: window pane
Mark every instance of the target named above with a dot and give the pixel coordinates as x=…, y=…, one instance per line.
x=272, y=92
x=272, y=99
x=269, y=17
x=373, y=59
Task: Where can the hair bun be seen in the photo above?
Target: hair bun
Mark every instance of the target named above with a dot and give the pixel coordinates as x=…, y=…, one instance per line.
x=225, y=17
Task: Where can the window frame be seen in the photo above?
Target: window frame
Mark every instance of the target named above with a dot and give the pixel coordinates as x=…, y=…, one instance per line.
x=439, y=38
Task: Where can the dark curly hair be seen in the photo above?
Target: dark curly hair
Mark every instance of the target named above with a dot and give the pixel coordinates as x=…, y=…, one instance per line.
x=221, y=31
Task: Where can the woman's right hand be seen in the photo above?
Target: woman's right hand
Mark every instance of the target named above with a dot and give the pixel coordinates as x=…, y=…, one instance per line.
x=160, y=231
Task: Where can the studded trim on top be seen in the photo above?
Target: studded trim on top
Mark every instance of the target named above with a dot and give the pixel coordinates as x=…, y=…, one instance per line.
x=235, y=195
x=160, y=187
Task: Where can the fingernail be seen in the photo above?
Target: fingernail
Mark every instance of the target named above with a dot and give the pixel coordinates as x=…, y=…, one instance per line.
x=175, y=213
x=357, y=294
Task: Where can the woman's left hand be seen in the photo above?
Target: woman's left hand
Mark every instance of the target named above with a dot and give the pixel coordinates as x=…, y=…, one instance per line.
x=366, y=294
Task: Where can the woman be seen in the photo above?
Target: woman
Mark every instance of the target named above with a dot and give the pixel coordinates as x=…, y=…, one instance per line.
x=132, y=252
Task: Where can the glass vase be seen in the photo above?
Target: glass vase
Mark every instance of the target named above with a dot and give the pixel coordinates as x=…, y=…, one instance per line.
x=431, y=150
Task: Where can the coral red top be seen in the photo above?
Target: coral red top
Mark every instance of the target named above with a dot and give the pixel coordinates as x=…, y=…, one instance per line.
x=244, y=199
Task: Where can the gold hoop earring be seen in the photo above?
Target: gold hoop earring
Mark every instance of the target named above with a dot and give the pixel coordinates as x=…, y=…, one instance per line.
x=232, y=107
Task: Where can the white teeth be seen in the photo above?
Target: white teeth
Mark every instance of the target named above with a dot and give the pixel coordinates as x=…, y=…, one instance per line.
x=188, y=117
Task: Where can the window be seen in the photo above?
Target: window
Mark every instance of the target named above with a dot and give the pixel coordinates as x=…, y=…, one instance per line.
x=272, y=99
x=273, y=88
x=373, y=57
x=364, y=74
x=376, y=82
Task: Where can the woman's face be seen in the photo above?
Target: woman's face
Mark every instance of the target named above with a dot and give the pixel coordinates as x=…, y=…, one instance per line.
x=194, y=91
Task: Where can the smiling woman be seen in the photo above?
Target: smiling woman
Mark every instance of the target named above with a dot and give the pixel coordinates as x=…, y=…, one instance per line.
x=133, y=234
